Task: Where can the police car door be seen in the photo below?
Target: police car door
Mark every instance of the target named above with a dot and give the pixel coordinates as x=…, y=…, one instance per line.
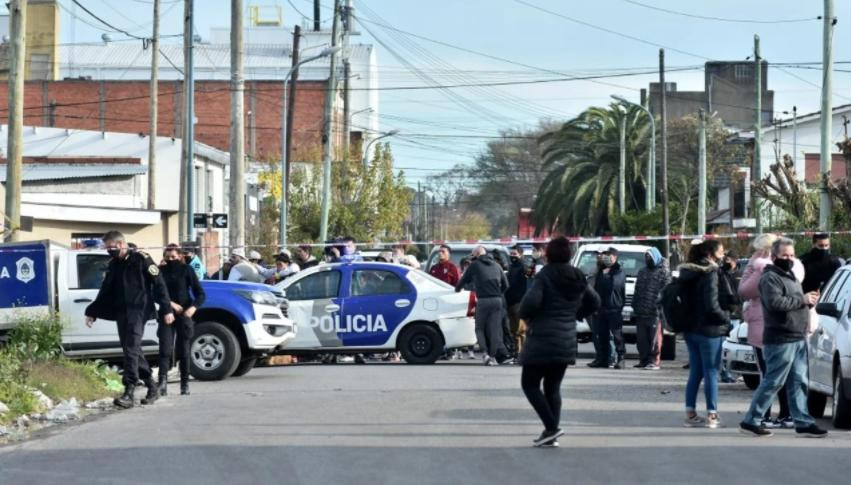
x=314, y=305
x=377, y=302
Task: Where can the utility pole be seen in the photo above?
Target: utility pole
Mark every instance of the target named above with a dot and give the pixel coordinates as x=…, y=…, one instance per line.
x=154, y=91
x=236, y=231
x=801, y=175
x=622, y=167
x=15, y=144
x=650, y=199
x=328, y=132
x=347, y=122
x=826, y=114
x=664, y=108
x=756, y=171
x=317, y=12
x=189, y=140
x=701, y=173
x=286, y=137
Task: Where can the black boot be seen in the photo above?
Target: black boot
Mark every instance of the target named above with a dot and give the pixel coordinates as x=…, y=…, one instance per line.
x=163, y=386
x=126, y=399
x=153, y=393
x=184, y=385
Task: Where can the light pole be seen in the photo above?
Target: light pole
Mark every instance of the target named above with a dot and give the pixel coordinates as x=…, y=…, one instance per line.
x=282, y=236
x=366, y=149
x=651, y=163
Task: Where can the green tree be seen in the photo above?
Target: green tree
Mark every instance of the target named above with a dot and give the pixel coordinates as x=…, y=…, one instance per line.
x=579, y=193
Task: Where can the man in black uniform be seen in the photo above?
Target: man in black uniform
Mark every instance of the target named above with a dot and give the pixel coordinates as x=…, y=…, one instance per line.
x=130, y=288
x=186, y=296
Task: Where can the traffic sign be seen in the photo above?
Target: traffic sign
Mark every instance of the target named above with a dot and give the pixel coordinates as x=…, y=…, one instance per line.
x=199, y=221
x=217, y=220
x=220, y=221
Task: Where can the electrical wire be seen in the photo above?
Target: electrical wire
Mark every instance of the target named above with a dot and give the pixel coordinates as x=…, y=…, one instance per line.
x=723, y=19
x=104, y=22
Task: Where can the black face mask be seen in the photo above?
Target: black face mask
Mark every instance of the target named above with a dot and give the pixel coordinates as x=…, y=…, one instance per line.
x=726, y=266
x=514, y=259
x=114, y=252
x=173, y=263
x=784, y=264
x=823, y=253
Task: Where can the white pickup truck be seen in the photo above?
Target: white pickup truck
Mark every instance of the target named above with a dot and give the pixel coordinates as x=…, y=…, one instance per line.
x=238, y=323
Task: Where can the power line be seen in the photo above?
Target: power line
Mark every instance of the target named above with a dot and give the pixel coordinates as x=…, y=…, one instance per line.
x=722, y=19
x=104, y=22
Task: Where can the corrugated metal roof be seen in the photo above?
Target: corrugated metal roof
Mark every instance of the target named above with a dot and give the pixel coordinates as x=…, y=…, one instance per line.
x=53, y=171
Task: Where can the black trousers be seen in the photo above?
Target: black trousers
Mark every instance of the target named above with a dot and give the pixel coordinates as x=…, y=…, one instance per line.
x=612, y=321
x=131, y=327
x=174, y=342
x=547, y=403
x=781, y=395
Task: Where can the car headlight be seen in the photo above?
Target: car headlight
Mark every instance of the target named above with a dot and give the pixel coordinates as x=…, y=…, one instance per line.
x=277, y=330
x=259, y=297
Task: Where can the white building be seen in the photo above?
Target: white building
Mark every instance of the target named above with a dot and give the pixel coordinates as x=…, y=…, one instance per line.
x=79, y=184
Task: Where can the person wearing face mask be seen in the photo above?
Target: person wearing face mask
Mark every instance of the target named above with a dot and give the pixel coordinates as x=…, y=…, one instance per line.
x=651, y=279
x=190, y=257
x=186, y=295
x=819, y=264
x=130, y=290
x=517, y=283
x=785, y=309
x=610, y=284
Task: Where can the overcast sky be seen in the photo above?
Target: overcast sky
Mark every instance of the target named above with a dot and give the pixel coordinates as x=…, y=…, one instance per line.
x=547, y=44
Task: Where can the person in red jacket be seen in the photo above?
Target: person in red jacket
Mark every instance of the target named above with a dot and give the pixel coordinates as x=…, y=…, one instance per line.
x=445, y=270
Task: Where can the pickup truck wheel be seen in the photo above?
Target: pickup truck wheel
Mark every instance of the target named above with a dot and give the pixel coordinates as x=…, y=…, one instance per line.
x=751, y=380
x=841, y=405
x=244, y=367
x=421, y=344
x=214, y=352
x=669, y=347
x=816, y=402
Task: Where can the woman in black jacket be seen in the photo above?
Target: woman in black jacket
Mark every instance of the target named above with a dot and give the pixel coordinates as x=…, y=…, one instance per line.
x=699, y=278
x=558, y=297
x=186, y=295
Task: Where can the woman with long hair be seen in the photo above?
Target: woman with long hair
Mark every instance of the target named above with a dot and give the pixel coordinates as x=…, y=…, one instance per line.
x=558, y=297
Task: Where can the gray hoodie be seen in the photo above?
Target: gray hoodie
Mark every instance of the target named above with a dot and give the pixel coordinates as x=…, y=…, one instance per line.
x=486, y=276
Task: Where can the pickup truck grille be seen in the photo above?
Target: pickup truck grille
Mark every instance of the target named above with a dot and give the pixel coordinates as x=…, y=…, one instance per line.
x=628, y=301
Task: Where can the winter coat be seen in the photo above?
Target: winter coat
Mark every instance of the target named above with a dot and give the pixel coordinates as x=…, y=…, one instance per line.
x=486, y=276
x=517, y=283
x=785, y=313
x=611, y=287
x=819, y=267
x=749, y=291
x=649, y=284
x=559, y=295
x=728, y=293
x=131, y=287
x=701, y=279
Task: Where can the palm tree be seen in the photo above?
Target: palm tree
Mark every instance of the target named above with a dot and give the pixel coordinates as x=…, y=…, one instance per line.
x=579, y=194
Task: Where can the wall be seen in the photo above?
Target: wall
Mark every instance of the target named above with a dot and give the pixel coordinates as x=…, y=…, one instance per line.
x=123, y=106
x=151, y=236
x=41, y=39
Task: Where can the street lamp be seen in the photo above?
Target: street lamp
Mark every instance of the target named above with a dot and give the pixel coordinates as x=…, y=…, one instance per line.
x=366, y=150
x=650, y=196
x=282, y=237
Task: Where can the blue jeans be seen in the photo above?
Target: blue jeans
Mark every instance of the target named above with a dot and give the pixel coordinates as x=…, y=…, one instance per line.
x=784, y=363
x=704, y=358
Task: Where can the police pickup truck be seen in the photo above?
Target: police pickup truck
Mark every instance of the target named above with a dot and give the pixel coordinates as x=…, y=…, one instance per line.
x=238, y=323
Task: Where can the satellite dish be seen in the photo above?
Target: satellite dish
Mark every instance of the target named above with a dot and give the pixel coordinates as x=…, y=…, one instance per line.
x=106, y=38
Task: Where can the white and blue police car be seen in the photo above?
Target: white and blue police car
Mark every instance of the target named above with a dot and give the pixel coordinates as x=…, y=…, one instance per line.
x=376, y=307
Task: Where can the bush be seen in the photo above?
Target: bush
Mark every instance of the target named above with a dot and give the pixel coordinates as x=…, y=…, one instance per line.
x=63, y=379
x=36, y=338
x=13, y=393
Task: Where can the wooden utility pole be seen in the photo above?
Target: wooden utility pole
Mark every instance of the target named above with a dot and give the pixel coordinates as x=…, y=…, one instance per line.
x=237, y=130
x=154, y=92
x=701, y=174
x=825, y=209
x=622, y=166
x=756, y=171
x=291, y=105
x=664, y=108
x=15, y=144
x=328, y=132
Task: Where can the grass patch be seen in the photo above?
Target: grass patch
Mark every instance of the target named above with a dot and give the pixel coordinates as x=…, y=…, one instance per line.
x=63, y=379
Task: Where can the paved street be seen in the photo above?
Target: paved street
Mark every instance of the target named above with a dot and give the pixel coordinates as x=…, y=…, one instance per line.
x=394, y=423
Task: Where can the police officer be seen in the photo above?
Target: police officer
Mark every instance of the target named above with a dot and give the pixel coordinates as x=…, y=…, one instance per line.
x=186, y=296
x=127, y=295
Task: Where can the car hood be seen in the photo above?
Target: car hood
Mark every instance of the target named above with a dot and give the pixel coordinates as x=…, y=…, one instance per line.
x=236, y=285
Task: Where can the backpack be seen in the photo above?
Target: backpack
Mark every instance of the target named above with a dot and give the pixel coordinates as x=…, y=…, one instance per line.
x=675, y=300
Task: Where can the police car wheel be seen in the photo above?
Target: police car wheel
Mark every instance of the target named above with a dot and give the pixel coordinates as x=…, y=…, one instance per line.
x=244, y=367
x=421, y=344
x=214, y=352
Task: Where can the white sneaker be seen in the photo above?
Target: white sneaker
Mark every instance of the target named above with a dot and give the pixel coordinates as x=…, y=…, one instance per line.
x=471, y=355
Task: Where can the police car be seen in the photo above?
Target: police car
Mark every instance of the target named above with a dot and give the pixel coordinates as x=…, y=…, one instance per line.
x=366, y=306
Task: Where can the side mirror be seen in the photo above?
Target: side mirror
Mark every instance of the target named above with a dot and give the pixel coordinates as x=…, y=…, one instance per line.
x=828, y=309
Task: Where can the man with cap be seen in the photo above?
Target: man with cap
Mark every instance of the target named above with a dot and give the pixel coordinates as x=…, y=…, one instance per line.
x=241, y=269
x=610, y=284
x=190, y=257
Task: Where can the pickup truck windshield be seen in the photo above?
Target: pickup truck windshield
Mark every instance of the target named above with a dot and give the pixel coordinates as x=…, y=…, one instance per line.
x=631, y=263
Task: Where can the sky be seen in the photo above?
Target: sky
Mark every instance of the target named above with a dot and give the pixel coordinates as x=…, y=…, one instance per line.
x=510, y=41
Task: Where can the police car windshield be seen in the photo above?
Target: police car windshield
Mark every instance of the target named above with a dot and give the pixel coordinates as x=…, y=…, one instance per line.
x=630, y=262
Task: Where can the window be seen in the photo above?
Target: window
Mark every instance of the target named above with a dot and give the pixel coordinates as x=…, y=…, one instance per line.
x=834, y=287
x=91, y=269
x=39, y=67
x=375, y=282
x=325, y=284
x=743, y=72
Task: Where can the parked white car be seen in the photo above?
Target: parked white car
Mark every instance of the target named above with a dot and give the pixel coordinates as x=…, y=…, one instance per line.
x=739, y=356
x=830, y=351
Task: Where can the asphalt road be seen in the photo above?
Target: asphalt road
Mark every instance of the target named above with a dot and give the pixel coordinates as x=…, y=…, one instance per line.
x=442, y=424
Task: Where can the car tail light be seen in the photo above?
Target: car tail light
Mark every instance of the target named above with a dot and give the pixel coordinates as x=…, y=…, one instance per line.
x=471, y=306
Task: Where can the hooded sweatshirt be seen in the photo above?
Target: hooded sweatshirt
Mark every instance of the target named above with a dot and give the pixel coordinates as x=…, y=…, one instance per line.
x=486, y=277
x=701, y=279
x=559, y=295
x=651, y=279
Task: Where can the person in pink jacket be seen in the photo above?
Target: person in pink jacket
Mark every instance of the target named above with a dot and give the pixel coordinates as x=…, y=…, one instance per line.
x=752, y=314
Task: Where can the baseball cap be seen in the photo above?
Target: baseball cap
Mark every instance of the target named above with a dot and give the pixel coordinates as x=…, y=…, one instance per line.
x=254, y=255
